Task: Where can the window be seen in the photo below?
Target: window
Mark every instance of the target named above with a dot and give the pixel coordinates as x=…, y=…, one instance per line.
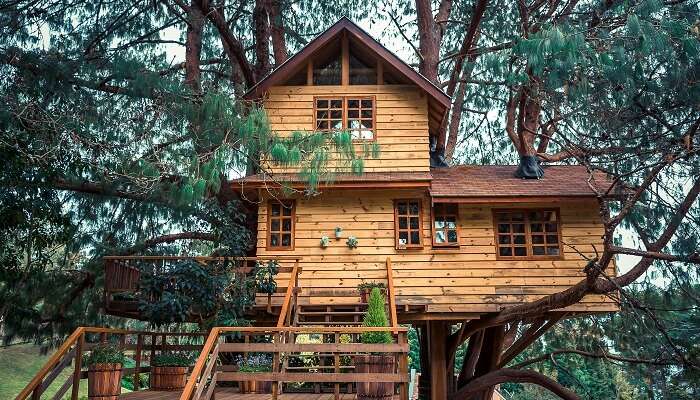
x=327, y=70
x=355, y=114
x=280, y=225
x=408, y=225
x=445, y=225
x=527, y=233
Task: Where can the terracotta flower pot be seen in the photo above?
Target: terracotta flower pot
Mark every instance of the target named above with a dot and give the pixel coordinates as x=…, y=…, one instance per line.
x=104, y=381
x=168, y=378
x=375, y=364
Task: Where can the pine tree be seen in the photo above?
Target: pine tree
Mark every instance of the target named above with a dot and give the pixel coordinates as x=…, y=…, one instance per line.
x=376, y=317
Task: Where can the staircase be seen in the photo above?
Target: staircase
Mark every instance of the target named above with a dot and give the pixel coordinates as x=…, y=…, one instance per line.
x=330, y=315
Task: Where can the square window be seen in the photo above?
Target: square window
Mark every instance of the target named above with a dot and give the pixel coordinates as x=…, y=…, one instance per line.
x=531, y=232
x=519, y=251
x=320, y=103
x=336, y=114
x=452, y=237
x=353, y=114
x=414, y=222
x=336, y=103
x=367, y=114
x=275, y=225
x=287, y=225
x=503, y=228
x=505, y=251
x=504, y=239
x=403, y=223
x=353, y=104
x=415, y=237
x=366, y=103
x=538, y=250
x=519, y=239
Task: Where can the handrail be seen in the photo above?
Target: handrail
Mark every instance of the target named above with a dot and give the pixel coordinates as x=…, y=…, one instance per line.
x=391, y=294
x=291, y=288
x=58, y=355
x=197, y=375
x=77, y=339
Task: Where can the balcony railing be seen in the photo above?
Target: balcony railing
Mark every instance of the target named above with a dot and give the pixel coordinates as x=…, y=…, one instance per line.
x=124, y=278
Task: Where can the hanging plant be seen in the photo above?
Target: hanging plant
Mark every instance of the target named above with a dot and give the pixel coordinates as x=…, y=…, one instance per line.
x=352, y=242
x=324, y=241
x=338, y=232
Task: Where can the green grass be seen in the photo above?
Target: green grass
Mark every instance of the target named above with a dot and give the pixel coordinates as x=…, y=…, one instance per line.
x=19, y=364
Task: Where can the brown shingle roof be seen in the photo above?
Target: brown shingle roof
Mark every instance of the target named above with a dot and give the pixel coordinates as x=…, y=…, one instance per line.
x=499, y=181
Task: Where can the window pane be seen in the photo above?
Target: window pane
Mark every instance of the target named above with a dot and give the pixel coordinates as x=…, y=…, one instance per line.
x=537, y=239
x=286, y=239
x=322, y=125
x=275, y=225
x=519, y=228
x=553, y=251
x=519, y=252
x=439, y=237
x=505, y=251
x=367, y=103
x=414, y=208
x=321, y=103
x=337, y=114
x=415, y=237
x=287, y=225
x=353, y=114
x=402, y=208
x=451, y=222
x=327, y=72
x=538, y=250
x=536, y=227
x=518, y=216
x=336, y=125
x=414, y=222
x=403, y=237
x=519, y=239
x=452, y=236
x=439, y=224
x=504, y=239
x=287, y=211
x=503, y=217
x=503, y=228
x=552, y=239
x=550, y=216
x=353, y=103
x=366, y=134
x=367, y=114
x=536, y=216
x=551, y=227
x=274, y=240
x=336, y=103
x=354, y=124
x=275, y=209
x=367, y=123
x=403, y=223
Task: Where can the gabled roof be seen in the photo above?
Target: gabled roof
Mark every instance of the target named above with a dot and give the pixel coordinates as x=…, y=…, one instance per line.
x=494, y=181
x=440, y=100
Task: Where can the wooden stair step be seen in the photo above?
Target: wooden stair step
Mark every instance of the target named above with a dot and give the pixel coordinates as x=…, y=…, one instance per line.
x=324, y=313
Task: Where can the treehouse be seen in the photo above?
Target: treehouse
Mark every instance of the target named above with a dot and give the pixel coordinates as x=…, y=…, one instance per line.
x=448, y=244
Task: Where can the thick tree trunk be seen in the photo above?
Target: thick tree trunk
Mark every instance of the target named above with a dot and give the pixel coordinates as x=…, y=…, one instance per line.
x=279, y=43
x=193, y=47
x=262, y=39
x=438, y=331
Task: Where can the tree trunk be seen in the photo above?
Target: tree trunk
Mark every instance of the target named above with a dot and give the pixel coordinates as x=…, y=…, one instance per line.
x=279, y=43
x=262, y=39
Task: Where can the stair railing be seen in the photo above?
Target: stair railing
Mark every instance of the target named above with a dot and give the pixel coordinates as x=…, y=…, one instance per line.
x=83, y=339
x=391, y=293
x=206, y=374
x=290, y=297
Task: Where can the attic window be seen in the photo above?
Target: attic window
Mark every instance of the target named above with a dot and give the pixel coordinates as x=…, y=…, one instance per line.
x=328, y=71
x=354, y=114
x=362, y=73
x=528, y=233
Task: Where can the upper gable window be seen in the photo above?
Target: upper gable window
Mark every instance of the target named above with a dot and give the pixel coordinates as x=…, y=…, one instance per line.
x=355, y=114
x=361, y=72
x=327, y=70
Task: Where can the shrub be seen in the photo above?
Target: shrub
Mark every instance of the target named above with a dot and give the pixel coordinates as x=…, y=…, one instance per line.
x=376, y=317
x=105, y=354
x=369, y=286
x=171, y=360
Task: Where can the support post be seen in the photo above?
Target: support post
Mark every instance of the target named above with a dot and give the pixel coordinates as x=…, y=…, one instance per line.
x=78, y=367
x=437, y=341
x=137, y=360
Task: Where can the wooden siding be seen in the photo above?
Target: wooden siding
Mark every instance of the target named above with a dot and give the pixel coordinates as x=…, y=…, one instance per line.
x=465, y=279
x=401, y=121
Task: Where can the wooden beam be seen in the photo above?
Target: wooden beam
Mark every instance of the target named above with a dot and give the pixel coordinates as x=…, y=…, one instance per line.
x=345, y=56
x=392, y=295
x=437, y=339
x=310, y=73
x=380, y=72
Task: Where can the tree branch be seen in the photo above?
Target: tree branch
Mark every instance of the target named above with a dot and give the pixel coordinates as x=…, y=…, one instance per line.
x=506, y=375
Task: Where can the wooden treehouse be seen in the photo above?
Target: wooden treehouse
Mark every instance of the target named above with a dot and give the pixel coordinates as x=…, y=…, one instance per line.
x=449, y=244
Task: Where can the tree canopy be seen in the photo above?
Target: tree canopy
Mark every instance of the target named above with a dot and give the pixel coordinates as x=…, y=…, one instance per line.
x=122, y=124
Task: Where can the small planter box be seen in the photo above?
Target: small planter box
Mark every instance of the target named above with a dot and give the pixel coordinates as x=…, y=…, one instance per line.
x=255, y=387
x=104, y=381
x=168, y=378
x=375, y=364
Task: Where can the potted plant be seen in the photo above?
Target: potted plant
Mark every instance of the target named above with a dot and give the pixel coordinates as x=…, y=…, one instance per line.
x=256, y=364
x=324, y=241
x=352, y=242
x=105, y=372
x=378, y=362
x=169, y=371
x=366, y=287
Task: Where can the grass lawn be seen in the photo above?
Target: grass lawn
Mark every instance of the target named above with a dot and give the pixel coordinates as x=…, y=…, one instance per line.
x=19, y=364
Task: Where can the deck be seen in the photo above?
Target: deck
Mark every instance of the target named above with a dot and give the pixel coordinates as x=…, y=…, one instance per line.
x=232, y=394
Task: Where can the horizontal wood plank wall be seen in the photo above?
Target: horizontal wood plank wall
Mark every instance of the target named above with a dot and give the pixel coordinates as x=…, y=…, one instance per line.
x=401, y=125
x=468, y=279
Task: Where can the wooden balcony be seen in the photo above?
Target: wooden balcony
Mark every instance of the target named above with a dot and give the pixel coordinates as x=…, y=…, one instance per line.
x=124, y=275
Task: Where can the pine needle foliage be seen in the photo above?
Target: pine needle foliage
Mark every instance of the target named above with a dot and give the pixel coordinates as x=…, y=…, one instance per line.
x=376, y=317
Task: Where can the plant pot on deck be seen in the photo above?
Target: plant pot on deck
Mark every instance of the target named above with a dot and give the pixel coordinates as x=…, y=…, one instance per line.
x=255, y=386
x=168, y=378
x=375, y=364
x=104, y=381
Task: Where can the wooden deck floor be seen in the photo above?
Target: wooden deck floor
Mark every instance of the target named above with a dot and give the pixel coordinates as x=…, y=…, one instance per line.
x=232, y=394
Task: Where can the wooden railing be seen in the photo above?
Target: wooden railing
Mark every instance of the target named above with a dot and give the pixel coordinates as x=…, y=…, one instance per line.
x=123, y=275
x=391, y=295
x=281, y=343
x=291, y=297
x=140, y=346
